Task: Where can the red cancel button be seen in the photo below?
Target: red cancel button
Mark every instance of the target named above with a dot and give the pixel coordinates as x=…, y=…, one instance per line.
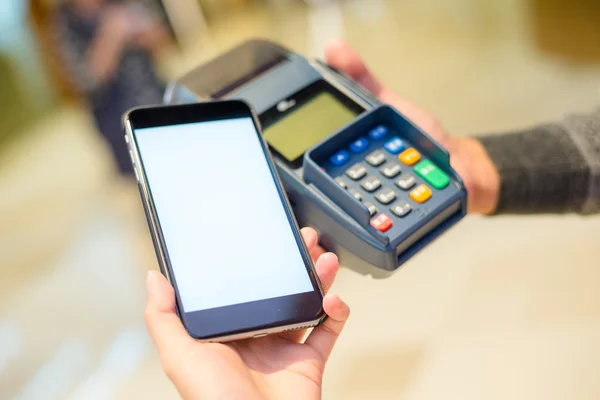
x=382, y=223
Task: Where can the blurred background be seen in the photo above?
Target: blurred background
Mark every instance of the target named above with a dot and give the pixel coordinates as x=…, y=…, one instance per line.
x=499, y=308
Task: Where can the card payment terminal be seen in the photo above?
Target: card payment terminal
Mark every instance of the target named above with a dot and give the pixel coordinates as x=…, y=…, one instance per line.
x=375, y=187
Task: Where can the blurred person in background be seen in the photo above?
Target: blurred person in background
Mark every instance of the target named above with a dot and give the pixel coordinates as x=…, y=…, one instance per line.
x=108, y=48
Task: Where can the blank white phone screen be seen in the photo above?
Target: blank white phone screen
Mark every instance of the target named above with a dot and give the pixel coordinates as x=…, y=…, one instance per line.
x=224, y=225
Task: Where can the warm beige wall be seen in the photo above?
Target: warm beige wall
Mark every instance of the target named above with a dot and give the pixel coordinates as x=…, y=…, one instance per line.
x=187, y=19
x=567, y=28
x=218, y=7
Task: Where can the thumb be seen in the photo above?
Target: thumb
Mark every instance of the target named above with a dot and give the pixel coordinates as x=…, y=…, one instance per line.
x=340, y=55
x=168, y=333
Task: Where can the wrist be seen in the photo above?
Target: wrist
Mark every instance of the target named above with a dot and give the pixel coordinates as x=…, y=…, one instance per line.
x=480, y=176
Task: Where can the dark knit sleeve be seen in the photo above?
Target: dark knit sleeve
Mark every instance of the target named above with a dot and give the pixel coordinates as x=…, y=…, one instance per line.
x=552, y=168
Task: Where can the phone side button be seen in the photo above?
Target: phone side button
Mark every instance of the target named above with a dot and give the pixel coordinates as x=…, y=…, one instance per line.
x=135, y=171
x=259, y=335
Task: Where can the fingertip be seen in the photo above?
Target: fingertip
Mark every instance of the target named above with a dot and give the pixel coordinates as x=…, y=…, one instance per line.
x=335, y=307
x=328, y=265
x=339, y=54
x=334, y=46
x=151, y=281
x=161, y=296
x=330, y=258
x=308, y=230
x=310, y=237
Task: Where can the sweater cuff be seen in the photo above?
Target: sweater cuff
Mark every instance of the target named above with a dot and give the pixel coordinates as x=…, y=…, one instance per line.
x=541, y=171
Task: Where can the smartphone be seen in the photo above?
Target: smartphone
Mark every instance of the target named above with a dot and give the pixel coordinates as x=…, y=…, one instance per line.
x=221, y=223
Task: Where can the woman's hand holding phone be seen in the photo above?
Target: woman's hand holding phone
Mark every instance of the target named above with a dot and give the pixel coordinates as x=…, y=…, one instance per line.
x=277, y=366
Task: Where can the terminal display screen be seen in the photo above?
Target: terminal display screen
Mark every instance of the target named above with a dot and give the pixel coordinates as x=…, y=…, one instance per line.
x=312, y=115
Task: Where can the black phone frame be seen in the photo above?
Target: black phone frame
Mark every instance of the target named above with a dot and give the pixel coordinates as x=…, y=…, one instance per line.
x=233, y=320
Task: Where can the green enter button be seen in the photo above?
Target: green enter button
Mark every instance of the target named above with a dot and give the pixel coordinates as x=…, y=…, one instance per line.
x=432, y=174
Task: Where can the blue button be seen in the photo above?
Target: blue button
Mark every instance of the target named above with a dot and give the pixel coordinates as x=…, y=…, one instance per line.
x=359, y=145
x=378, y=132
x=394, y=146
x=340, y=158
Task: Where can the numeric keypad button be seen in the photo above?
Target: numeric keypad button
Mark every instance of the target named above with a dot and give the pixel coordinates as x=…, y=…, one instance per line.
x=390, y=170
x=356, y=172
x=401, y=209
x=385, y=196
x=405, y=182
x=376, y=158
x=371, y=184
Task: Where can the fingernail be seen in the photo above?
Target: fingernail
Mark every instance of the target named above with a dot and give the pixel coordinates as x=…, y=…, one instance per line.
x=333, y=257
x=150, y=282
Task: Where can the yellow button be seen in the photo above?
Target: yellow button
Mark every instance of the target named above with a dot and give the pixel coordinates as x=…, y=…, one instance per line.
x=420, y=194
x=410, y=156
